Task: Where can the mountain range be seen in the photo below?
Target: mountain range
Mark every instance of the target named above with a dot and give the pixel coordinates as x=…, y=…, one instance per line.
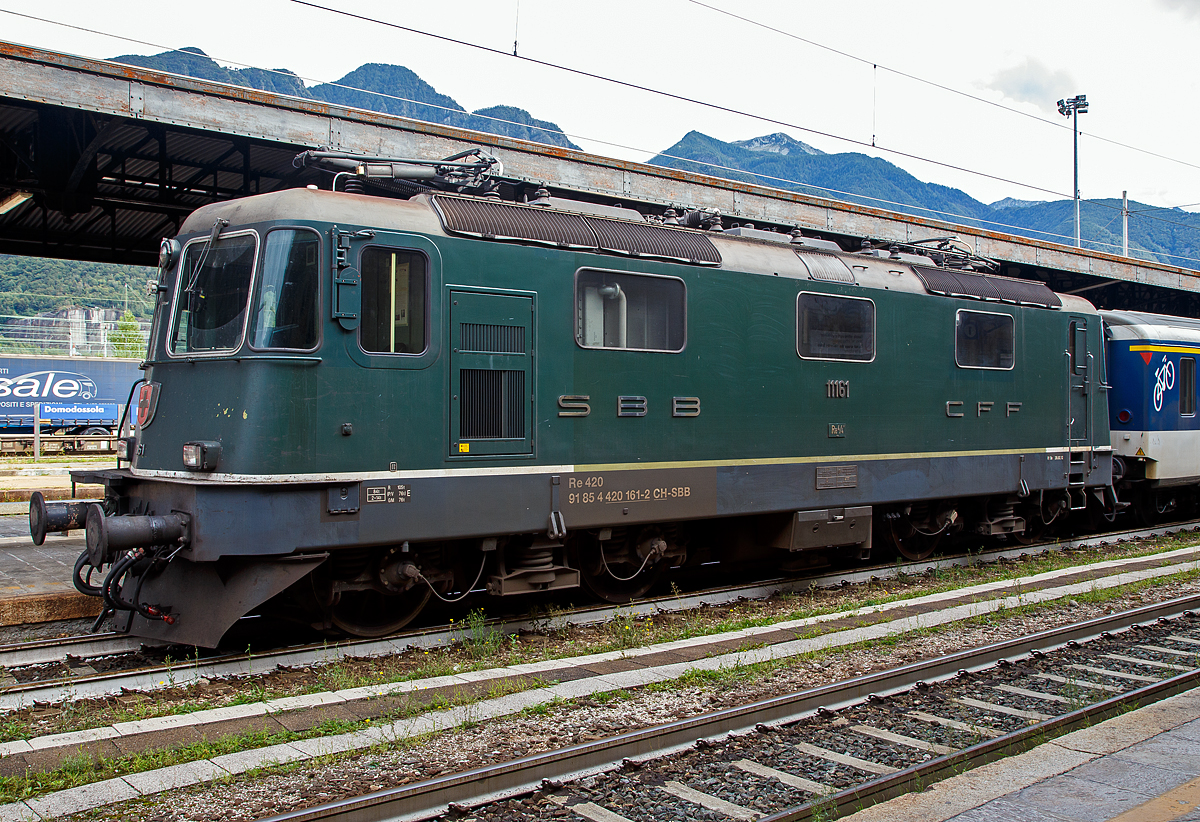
x=775, y=160
x=781, y=161
x=375, y=86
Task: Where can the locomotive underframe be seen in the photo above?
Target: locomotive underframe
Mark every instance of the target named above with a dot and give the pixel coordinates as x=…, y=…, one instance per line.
x=248, y=542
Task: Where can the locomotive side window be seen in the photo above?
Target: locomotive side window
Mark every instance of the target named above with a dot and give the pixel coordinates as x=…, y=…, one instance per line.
x=1187, y=386
x=984, y=340
x=835, y=328
x=214, y=290
x=636, y=312
x=285, y=313
x=393, y=301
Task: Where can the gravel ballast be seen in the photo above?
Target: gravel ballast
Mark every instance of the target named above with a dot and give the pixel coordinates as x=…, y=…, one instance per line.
x=246, y=797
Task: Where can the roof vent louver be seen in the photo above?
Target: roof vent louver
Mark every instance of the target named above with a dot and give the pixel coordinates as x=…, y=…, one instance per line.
x=507, y=221
x=986, y=287
x=826, y=267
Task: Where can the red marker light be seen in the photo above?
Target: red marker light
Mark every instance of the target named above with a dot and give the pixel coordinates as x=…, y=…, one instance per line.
x=145, y=406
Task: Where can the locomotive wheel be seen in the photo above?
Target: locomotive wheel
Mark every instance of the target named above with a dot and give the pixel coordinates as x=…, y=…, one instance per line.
x=909, y=542
x=603, y=581
x=1151, y=505
x=1099, y=519
x=1031, y=534
x=370, y=614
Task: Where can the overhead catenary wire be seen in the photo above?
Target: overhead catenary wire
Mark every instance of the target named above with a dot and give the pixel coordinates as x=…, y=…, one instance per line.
x=691, y=100
x=528, y=125
x=933, y=83
x=673, y=96
x=513, y=122
x=385, y=95
x=948, y=214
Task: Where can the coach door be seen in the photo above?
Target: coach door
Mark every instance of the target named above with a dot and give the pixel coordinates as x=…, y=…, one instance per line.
x=491, y=374
x=1080, y=366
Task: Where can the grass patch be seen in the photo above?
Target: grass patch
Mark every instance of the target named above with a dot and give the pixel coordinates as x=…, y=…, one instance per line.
x=481, y=645
x=75, y=770
x=82, y=770
x=78, y=771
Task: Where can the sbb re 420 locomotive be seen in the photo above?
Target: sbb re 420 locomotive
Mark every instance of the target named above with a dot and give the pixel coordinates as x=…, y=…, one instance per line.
x=352, y=403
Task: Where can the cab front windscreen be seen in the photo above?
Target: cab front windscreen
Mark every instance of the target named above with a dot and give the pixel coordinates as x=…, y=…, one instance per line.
x=213, y=294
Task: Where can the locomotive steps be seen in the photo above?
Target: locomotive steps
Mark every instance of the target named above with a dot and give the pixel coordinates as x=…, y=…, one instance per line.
x=763, y=648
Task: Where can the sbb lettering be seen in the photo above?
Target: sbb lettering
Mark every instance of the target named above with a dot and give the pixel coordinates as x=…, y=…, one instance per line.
x=579, y=405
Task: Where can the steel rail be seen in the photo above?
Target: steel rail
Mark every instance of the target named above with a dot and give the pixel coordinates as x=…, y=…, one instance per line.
x=430, y=798
x=86, y=646
x=919, y=777
x=188, y=670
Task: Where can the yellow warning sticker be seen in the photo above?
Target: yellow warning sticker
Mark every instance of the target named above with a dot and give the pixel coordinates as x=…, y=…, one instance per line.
x=464, y=448
x=1140, y=453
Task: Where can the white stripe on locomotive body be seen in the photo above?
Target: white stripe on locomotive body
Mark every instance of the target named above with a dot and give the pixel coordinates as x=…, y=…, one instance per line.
x=548, y=470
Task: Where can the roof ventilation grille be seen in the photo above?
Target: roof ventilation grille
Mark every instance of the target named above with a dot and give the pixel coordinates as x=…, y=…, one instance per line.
x=506, y=221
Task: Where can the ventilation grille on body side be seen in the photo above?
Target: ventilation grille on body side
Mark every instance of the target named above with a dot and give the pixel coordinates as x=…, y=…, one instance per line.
x=482, y=338
x=493, y=404
x=987, y=287
x=495, y=220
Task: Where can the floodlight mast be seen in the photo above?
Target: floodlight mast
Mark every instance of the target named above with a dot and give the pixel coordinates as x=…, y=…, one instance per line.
x=1075, y=106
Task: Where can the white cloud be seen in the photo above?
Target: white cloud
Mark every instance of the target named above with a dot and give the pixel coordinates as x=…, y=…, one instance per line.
x=1188, y=8
x=1032, y=81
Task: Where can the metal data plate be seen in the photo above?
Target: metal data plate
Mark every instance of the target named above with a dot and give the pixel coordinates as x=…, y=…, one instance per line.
x=837, y=476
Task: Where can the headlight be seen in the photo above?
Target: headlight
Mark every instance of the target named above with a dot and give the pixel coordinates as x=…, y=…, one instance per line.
x=125, y=448
x=168, y=252
x=201, y=456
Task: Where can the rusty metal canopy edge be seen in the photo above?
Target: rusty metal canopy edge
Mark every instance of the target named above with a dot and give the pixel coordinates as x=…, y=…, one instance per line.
x=30, y=74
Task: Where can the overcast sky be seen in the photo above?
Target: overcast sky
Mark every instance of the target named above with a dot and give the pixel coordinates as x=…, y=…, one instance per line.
x=1136, y=60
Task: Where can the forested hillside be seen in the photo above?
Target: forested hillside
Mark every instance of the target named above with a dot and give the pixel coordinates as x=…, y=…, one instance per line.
x=32, y=285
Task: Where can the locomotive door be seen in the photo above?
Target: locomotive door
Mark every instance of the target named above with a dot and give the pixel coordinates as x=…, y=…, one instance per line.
x=491, y=374
x=1080, y=367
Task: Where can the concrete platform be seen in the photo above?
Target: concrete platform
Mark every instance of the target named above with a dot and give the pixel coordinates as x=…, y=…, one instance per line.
x=35, y=581
x=1143, y=766
x=19, y=480
x=15, y=491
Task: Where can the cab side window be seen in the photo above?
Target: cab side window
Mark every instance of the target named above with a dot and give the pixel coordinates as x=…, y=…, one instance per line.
x=394, y=287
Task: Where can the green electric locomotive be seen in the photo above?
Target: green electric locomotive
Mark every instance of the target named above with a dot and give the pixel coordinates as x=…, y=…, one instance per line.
x=353, y=403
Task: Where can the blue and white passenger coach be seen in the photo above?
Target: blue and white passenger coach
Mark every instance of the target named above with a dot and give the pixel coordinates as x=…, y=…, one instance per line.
x=1152, y=408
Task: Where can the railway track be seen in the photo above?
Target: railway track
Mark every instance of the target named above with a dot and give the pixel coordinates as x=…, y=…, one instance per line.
x=827, y=751
x=104, y=664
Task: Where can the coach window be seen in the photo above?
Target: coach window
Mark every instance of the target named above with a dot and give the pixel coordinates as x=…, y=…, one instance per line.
x=1187, y=386
x=214, y=290
x=285, y=312
x=394, y=285
x=984, y=340
x=636, y=312
x=835, y=328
